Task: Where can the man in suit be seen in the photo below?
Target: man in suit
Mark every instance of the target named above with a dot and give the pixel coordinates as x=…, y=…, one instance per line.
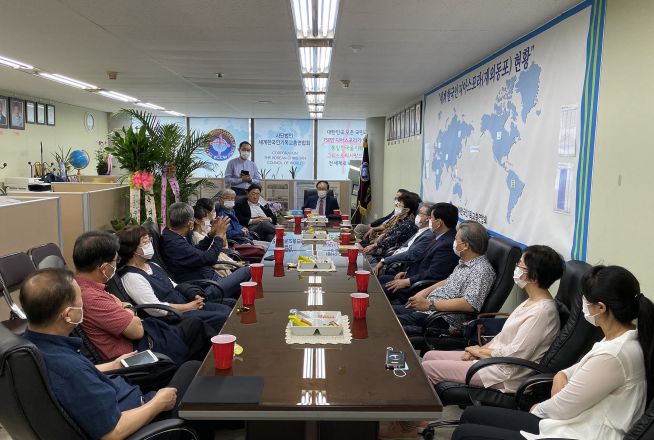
x=322, y=203
x=362, y=231
x=413, y=248
x=439, y=258
x=255, y=216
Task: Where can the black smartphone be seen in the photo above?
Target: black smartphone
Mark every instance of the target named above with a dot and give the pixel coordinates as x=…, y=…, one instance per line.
x=395, y=359
x=245, y=173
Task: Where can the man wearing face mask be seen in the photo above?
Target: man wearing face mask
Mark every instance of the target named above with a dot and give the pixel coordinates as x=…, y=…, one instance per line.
x=241, y=172
x=103, y=406
x=187, y=262
x=463, y=291
x=437, y=261
x=235, y=231
x=112, y=325
x=322, y=203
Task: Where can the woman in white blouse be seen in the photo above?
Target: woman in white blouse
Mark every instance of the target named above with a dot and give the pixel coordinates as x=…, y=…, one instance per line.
x=527, y=334
x=602, y=395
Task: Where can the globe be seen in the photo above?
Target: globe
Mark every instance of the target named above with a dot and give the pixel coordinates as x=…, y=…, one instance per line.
x=79, y=159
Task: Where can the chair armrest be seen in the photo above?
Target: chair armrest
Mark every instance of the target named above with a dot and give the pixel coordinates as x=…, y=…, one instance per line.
x=419, y=285
x=488, y=314
x=531, y=381
x=484, y=363
x=431, y=318
x=228, y=264
x=173, y=311
x=162, y=427
x=204, y=282
x=255, y=235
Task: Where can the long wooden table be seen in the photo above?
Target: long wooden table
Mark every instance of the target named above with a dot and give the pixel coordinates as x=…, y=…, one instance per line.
x=330, y=391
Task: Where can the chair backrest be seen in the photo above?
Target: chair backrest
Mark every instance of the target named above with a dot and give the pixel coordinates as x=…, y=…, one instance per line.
x=115, y=287
x=643, y=429
x=14, y=268
x=47, y=256
x=577, y=336
x=503, y=256
x=29, y=409
x=155, y=238
x=314, y=192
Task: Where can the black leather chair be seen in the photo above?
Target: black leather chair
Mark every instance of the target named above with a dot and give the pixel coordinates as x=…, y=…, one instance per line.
x=47, y=256
x=574, y=339
x=503, y=256
x=14, y=268
x=313, y=192
x=30, y=410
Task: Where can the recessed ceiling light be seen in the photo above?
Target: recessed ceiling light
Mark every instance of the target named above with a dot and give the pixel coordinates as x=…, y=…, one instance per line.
x=117, y=96
x=13, y=63
x=315, y=115
x=315, y=84
x=315, y=60
x=67, y=81
x=316, y=108
x=315, y=18
x=315, y=98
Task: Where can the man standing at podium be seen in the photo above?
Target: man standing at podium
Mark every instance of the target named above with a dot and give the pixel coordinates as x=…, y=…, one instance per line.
x=241, y=172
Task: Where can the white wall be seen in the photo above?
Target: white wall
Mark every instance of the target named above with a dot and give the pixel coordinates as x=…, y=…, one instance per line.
x=17, y=147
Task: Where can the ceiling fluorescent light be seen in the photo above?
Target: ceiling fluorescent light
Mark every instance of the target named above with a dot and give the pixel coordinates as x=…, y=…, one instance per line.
x=174, y=113
x=149, y=105
x=315, y=115
x=316, y=108
x=315, y=84
x=117, y=96
x=13, y=63
x=315, y=98
x=67, y=81
x=326, y=24
x=315, y=60
x=303, y=17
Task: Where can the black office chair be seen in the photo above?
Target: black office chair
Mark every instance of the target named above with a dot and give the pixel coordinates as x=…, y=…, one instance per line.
x=313, y=192
x=29, y=408
x=115, y=287
x=575, y=338
x=47, y=256
x=503, y=256
x=14, y=268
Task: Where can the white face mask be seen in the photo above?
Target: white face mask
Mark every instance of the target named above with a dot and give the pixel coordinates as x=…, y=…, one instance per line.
x=228, y=204
x=81, y=316
x=418, y=221
x=147, y=251
x=517, y=273
x=456, y=252
x=245, y=155
x=590, y=318
x=322, y=194
x=397, y=210
x=206, y=227
x=112, y=273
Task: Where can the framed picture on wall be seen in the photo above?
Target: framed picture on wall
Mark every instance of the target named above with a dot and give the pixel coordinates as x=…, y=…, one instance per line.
x=50, y=114
x=400, y=130
x=4, y=113
x=412, y=121
x=16, y=114
x=397, y=126
x=389, y=124
x=419, y=118
x=405, y=114
x=40, y=113
x=30, y=112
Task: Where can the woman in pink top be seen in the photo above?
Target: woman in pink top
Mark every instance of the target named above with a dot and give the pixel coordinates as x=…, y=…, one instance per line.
x=527, y=334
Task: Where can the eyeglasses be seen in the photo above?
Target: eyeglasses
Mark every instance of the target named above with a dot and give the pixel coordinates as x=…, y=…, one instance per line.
x=521, y=267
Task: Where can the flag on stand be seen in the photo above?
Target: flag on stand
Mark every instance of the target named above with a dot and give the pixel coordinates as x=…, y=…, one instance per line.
x=364, y=194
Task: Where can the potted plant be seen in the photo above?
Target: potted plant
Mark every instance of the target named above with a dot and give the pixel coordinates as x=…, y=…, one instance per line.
x=63, y=159
x=102, y=160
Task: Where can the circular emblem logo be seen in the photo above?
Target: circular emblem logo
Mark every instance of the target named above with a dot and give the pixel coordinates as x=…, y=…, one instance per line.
x=365, y=175
x=221, y=145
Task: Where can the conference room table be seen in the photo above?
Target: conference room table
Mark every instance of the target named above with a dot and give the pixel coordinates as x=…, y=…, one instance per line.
x=326, y=391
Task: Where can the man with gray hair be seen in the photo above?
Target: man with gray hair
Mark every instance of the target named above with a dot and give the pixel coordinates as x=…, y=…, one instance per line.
x=187, y=262
x=235, y=231
x=465, y=290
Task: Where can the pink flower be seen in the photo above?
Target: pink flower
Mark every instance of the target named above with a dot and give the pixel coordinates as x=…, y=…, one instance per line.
x=142, y=180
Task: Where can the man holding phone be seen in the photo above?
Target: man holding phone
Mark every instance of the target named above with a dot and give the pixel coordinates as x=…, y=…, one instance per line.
x=241, y=172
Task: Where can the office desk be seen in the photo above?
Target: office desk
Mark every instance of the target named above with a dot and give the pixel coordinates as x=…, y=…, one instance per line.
x=331, y=391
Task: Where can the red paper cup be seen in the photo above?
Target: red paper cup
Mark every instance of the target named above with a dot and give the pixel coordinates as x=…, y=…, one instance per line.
x=223, y=351
x=352, y=254
x=345, y=217
x=256, y=272
x=249, y=317
x=359, y=328
x=351, y=269
x=345, y=237
x=248, y=289
x=279, y=255
x=279, y=233
x=298, y=221
x=362, y=280
x=337, y=212
x=307, y=211
x=258, y=292
x=359, y=304
x=278, y=271
x=297, y=230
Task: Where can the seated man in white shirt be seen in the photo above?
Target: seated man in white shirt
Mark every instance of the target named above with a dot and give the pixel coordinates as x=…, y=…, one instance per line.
x=412, y=249
x=255, y=216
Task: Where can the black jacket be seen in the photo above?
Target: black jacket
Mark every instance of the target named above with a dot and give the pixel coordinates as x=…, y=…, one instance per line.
x=243, y=213
x=439, y=260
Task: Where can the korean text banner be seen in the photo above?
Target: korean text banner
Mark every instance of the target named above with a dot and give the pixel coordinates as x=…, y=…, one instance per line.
x=226, y=134
x=283, y=148
x=339, y=142
x=509, y=141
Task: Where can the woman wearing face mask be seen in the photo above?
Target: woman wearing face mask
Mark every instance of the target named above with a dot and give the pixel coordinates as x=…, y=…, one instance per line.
x=527, y=333
x=147, y=283
x=398, y=230
x=202, y=226
x=602, y=395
